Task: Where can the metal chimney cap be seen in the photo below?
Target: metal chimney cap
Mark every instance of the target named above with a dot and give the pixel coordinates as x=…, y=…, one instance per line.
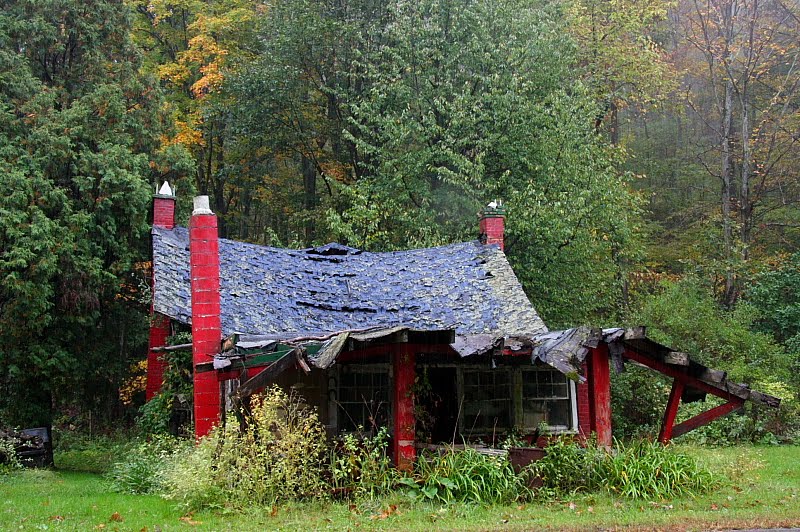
x=201, y=206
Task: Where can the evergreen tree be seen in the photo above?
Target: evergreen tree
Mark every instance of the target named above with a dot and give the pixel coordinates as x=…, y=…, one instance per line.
x=77, y=125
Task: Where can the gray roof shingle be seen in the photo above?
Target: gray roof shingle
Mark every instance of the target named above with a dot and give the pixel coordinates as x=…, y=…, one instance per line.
x=468, y=287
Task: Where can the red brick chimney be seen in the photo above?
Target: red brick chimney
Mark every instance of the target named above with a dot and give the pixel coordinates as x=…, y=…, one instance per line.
x=492, y=224
x=206, y=327
x=163, y=216
x=164, y=207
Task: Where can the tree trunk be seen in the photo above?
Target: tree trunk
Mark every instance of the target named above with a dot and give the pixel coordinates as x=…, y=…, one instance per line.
x=727, y=162
x=309, y=195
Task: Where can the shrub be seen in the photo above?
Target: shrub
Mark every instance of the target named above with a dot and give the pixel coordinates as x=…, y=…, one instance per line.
x=568, y=467
x=280, y=454
x=144, y=468
x=467, y=476
x=361, y=467
x=640, y=470
x=9, y=461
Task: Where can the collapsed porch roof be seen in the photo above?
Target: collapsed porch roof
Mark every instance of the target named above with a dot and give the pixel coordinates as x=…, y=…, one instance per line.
x=563, y=350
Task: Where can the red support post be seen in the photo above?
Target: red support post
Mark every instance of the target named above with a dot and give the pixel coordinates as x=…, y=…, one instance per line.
x=206, y=325
x=671, y=411
x=679, y=374
x=600, y=375
x=584, y=401
x=403, y=363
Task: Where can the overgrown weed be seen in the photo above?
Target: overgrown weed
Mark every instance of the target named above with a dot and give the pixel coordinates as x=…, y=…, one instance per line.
x=279, y=454
x=639, y=470
x=466, y=476
x=144, y=468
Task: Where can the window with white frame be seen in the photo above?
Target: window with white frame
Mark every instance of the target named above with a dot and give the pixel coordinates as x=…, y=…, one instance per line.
x=547, y=397
x=363, y=396
x=519, y=397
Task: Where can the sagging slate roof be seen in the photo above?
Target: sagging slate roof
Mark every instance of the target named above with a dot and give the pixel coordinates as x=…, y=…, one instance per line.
x=466, y=287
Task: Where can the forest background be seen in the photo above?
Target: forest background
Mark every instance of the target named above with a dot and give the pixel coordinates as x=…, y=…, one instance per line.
x=646, y=153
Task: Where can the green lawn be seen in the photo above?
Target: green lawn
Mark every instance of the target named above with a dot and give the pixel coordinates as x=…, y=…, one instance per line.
x=764, y=491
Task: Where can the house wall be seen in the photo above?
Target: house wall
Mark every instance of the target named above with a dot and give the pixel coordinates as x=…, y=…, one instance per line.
x=339, y=409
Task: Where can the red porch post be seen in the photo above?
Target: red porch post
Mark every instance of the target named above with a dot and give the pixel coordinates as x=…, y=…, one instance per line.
x=163, y=216
x=600, y=376
x=680, y=376
x=671, y=412
x=206, y=326
x=584, y=406
x=403, y=450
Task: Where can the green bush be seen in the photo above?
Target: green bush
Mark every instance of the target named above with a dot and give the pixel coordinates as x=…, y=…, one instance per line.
x=144, y=468
x=361, y=467
x=639, y=470
x=685, y=316
x=280, y=454
x=9, y=462
x=638, y=399
x=776, y=293
x=466, y=476
x=568, y=467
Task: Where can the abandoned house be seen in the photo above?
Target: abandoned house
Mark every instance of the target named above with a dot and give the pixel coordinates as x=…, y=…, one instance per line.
x=437, y=344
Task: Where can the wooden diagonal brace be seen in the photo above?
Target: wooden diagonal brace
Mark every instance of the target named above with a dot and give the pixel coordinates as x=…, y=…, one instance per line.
x=727, y=392
x=706, y=417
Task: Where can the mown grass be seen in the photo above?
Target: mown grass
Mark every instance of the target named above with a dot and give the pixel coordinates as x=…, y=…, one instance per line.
x=764, y=490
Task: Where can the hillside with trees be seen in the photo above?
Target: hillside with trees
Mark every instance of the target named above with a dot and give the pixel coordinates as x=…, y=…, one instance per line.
x=646, y=153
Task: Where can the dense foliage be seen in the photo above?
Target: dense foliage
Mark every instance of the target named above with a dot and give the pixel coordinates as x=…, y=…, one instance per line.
x=405, y=118
x=278, y=453
x=78, y=128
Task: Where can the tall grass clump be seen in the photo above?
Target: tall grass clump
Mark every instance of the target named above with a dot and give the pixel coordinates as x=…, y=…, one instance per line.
x=280, y=453
x=639, y=470
x=467, y=476
x=650, y=470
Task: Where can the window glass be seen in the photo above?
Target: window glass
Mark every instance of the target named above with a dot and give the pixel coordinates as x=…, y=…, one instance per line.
x=487, y=400
x=363, y=397
x=546, y=399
